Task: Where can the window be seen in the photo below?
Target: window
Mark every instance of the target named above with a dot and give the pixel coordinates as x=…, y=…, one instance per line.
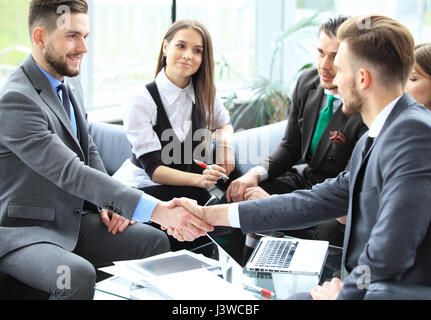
x=123, y=47
x=232, y=28
x=126, y=37
x=14, y=38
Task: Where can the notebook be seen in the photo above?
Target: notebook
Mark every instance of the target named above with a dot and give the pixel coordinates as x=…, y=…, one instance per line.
x=281, y=255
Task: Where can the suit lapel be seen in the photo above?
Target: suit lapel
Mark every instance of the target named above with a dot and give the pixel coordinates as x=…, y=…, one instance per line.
x=325, y=143
x=49, y=97
x=311, y=114
x=358, y=170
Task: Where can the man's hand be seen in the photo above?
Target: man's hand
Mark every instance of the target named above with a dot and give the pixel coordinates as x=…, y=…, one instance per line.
x=255, y=193
x=213, y=215
x=180, y=222
x=329, y=290
x=236, y=190
x=342, y=220
x=114, y=222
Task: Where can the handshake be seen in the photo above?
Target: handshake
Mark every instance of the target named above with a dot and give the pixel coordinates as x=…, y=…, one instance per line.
x=185, y=220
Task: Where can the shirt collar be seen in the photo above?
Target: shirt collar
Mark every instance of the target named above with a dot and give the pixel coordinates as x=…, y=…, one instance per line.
x=55, y=83
x=328, y=92
x=171, y=91
x=337, y=102
x=381, y=118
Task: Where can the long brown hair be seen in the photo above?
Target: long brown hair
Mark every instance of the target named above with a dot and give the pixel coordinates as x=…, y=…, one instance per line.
x=203, y=79
x=423, y=57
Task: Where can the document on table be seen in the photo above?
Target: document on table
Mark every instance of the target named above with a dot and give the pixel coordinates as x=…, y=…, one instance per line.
x=199, y=284
x=169, y=262
x=180, y=275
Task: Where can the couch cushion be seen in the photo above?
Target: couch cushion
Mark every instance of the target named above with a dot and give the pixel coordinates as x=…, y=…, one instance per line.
x=112, y=144
x=252, y=145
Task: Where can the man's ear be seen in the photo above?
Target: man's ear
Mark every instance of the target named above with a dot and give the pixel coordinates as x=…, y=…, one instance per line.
x=365, y=78
x=38, y=37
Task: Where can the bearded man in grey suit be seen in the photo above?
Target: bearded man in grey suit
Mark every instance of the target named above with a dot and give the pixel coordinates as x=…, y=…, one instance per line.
x=53, y=180
x=386, y=193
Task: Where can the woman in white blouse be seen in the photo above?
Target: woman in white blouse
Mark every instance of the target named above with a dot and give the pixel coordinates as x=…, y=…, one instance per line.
x=168, y=120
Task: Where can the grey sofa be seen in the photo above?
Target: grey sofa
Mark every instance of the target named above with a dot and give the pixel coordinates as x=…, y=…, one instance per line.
x=250, y=146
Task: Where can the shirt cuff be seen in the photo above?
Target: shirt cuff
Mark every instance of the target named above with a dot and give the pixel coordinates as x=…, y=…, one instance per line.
x=144, y=209
x=233, y=215
x=262, y=172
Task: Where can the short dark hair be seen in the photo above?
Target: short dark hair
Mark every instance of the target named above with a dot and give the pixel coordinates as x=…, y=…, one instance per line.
x=383, y=42
x=330, y=26
x=45, y=12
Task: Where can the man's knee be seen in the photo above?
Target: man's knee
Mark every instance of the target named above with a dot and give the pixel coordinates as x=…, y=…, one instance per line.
x=161, y=243
x=75, y=281
x=146, y=241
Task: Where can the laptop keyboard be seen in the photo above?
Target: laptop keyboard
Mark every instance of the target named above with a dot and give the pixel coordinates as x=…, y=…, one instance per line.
x=277, y=254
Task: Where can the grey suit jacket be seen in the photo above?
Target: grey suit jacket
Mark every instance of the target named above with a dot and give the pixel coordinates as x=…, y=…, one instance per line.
x=329, y=158
x=46, y=172
x=387, y=198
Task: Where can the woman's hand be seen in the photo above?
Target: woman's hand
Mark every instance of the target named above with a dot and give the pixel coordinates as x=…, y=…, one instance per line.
x=210, y=177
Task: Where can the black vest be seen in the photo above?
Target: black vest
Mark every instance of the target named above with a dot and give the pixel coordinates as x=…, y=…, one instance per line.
x=186, y=148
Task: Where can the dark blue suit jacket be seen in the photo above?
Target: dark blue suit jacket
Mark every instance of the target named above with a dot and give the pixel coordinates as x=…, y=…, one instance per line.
x=387, y=199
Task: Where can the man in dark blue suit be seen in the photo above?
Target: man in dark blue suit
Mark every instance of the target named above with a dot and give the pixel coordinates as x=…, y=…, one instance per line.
x=386, y=193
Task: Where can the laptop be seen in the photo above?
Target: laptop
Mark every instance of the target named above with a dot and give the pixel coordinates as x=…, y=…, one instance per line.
x=280, y=255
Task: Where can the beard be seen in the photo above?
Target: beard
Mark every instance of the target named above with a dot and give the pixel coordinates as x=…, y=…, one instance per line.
x=59, y=63
x=328, y=85
x=354, y=104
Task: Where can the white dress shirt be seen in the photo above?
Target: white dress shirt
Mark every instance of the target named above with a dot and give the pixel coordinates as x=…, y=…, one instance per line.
x=375, y=129
x=140, y=116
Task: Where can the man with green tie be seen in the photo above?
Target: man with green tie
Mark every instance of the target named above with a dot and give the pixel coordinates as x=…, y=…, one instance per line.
x=318, y=141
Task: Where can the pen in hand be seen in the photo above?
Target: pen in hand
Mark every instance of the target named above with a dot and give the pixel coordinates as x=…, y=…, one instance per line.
x=205, y=166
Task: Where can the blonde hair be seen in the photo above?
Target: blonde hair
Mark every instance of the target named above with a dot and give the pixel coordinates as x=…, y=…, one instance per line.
x=203, y=79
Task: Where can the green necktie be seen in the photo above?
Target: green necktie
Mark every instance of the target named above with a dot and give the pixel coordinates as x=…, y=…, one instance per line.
x=325, y=117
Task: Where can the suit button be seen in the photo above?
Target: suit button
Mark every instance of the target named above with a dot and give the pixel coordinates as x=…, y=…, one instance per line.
x=77, y=211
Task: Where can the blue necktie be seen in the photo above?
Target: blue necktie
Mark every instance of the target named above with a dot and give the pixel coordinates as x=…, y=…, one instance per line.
x=65, y=98
x=67, y=105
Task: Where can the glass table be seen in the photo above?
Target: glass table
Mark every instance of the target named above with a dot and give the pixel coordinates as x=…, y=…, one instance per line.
x=283, y=285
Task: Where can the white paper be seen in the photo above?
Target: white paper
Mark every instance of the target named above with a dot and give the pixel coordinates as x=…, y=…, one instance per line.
x=199, y=284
